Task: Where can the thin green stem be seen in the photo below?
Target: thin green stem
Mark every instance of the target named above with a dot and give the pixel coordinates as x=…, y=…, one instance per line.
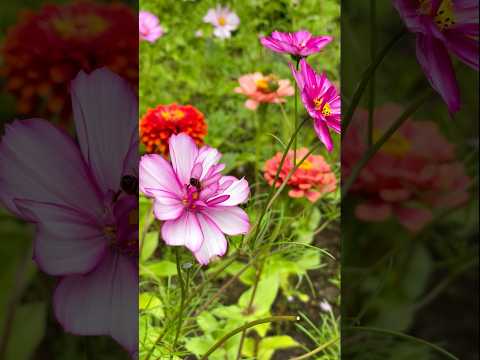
x=296, y=118
x=383, y=139
x=405, y=337
x=272, y=187
x=371, y=100
x=317, y=350
x=182, y=300
x=365, y=79
x=249, y=308
x=246, y=327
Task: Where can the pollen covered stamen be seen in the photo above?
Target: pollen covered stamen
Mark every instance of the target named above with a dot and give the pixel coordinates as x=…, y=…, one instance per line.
x=444, y=18
x=323, y=107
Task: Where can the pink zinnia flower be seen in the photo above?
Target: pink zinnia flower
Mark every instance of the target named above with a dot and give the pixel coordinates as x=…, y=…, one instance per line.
x=443, y=27
x=149, y=28
x=313, y=179
x=263, y=89
x=321, y=100
x=223, y=19
x=298, y=44
x=196, y=203
x=408, y=178
x=86, y=226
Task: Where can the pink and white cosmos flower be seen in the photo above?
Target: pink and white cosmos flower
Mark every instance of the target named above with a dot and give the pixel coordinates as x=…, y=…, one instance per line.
x=149, y=28
x=223, y=19
x=321, y=100
x=196, y=203
x=86, y=227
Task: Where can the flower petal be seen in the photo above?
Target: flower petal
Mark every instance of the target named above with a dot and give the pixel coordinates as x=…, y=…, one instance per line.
x=167, y=206
x=435, y=62
x=183, y=231
x=39, y=162
x=215, y=243
x=183, y=153
x=323, y=133
x=106, y=117
x=464, y=47
x=238, y=191
x=67, y=241
x=157, y=173
x=103, y=302
x=231, y=220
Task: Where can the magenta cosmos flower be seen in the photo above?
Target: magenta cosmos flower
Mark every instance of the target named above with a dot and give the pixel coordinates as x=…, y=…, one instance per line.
x=443, y=27
x=321, y=100
x=196, y=203
x=86, y=226
x=149, y=28
x=223, y=19
x=298, y=44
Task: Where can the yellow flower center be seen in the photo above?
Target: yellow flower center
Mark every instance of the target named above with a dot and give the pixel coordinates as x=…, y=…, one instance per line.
x=444, y=17
x=306, y=165
x=81, y=26
x=172, y=115
x=323, y=107
x=397, y=145
x=267, y=84
x=222, y=21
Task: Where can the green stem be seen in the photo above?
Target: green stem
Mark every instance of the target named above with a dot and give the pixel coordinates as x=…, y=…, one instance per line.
x=317, y=350
x=272, y=187
x=182, y=300
x=405, y=337
x=296, y=118
x=365, y=79
x=371, y=100
x=383, y=139
x=249, y=308
x=246, y=327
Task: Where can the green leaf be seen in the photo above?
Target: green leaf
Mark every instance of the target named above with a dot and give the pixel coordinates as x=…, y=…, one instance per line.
x=207, y=322
x=264, y=297
x=149, y=245
x=27, y=331
x=270, y=344
x=162, y=268
x=150, y=303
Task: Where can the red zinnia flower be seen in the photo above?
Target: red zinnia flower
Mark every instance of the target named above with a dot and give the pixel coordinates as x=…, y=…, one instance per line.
x=158, y=124
x=47, y=48
x=312, y=179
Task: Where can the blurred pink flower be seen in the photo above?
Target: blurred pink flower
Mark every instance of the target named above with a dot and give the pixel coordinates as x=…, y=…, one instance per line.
x=298, y=44
x=196, y=203
x=149, y=28
x=313, y=179
x=321, y=99
x=86, y=226
x=223, y=19
x=263, y=89
x=443, y=27
x=409, y=177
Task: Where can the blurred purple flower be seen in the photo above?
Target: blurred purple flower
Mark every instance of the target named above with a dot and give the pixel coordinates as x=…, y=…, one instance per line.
x=223, y=19
x=196, y=202
x=298, y=44
x=321, y=100
x=443, y=27
x=86, y=227
x=149, y=28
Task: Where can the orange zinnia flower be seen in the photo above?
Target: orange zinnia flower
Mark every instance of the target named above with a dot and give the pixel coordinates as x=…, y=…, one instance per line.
x=312, y=179
x=263, y=89
x=158, y=124
x=47, y=48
